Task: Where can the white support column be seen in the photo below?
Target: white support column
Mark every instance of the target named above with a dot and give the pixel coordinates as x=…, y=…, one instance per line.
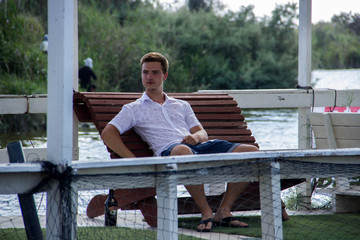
x=270, y=201
x=75, y=84
x=304, y=79
x=304, y=69
x=167, y=208
x=61, y=24
x=62, y=55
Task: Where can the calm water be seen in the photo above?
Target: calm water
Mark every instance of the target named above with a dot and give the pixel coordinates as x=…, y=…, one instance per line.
x=272, y=129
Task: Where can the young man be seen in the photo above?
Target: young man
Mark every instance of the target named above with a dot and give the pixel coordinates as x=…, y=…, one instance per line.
x=170, y=127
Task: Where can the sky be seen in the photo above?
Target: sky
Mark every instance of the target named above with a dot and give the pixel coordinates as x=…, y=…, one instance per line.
x=322, y=10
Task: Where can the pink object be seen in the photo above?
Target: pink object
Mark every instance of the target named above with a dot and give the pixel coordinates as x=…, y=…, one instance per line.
x=342, y=109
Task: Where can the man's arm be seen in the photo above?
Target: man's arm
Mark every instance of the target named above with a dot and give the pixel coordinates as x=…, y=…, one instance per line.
x=111, y=137
x=198, y=135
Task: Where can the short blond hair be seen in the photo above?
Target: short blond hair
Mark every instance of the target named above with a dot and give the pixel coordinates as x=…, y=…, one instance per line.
x=156, y=57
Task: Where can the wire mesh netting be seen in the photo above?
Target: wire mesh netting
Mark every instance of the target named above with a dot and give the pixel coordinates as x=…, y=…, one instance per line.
x=73, y=205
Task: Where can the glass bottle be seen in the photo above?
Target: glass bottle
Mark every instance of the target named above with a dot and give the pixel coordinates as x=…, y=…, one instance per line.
x=111, y=209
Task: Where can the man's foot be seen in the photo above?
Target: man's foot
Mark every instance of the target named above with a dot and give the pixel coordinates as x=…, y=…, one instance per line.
x=231, y=222
x=205, y=225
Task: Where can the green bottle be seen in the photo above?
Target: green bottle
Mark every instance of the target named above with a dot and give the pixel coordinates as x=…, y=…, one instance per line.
x=111, y=209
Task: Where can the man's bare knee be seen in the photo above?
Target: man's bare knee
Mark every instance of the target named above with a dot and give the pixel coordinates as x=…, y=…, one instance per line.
x=181, y=150
x=246, y=148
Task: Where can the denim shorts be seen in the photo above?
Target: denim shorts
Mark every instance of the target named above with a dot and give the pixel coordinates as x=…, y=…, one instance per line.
x=211, y=146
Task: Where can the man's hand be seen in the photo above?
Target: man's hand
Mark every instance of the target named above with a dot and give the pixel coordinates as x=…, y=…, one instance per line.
x=191, y=139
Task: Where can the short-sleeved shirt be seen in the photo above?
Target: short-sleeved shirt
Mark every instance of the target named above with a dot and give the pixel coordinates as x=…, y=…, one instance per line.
x=158, y=125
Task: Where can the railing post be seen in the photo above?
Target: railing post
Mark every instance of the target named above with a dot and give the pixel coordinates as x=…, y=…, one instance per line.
x=304, y=79
x=167, y=208
x=270, y=201
x=62, y=72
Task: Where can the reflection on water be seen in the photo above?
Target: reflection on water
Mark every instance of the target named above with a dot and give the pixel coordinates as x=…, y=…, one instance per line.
x=91, y=146
x=273, y=128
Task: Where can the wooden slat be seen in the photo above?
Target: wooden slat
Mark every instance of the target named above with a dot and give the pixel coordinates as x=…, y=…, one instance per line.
x=107, y=102
x=228, y=131
x=344, y=129
x=322, y=143
x=236, y=139
x=217, y=124
x=204, y=117
x=107, y=109
x=220, y=109
x=201, y=117
x=340, y=132
x=213, y=103
x=337, y=119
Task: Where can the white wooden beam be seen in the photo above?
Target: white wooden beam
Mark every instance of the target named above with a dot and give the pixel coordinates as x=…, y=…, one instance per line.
x=60, y=80
x=62, y=73
x=304, y=80
x=22, y=104
x=149, y=164
x=291, y=98
x=304, y=64
x=265, y=98
x=31, y=154
x=167, y=209
x=270, y=201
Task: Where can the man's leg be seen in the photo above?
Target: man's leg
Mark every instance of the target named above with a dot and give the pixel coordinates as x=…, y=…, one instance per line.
x=197, y=192
x=233, y=191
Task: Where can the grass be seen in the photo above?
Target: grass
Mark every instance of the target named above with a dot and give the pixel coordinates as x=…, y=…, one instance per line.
x=309, y=227
x=98, y=233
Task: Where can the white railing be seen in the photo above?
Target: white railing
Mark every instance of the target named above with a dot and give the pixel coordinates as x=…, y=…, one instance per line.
x=267, y=168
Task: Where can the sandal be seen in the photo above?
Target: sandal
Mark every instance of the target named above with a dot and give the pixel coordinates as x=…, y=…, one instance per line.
x=226, y=222
x=205, y=222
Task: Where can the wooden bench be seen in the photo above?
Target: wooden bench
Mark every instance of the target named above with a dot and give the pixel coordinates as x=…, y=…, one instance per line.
x=339, y=130
x=219, y=115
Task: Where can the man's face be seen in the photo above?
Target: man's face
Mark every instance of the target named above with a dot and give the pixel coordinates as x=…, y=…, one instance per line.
x=152, y=76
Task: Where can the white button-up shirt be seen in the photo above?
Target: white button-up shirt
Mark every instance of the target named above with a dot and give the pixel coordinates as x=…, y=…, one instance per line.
x=158, y=125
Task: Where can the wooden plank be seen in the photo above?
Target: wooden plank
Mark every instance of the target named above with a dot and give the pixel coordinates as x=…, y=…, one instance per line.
x=31, y=154
x=201, y=117
x=337, y=119
x=238, y=139
x=10, y=104
x=323, y=144
x=121, y=102
x=198, y=109
x=213, y=109
x=228, y=132
x=273, y=98
x=329, y=131
x=291, y=98
x=345, y=128
x=223, y=124
x=340, y=132
x=213, y=117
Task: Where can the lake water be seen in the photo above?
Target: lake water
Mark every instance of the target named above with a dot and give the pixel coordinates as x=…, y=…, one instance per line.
x=272, y=129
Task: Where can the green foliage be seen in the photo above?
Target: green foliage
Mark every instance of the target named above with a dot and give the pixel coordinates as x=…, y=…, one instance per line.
x=22, y=65
x=337, y=44
x=206, y=50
